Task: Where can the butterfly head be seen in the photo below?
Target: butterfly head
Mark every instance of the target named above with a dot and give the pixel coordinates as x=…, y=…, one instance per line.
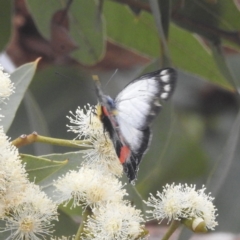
x=109, y=102
x=103, y=99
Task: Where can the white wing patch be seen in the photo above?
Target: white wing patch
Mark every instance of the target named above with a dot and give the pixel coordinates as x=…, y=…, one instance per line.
x=140, y=87
x=167, y=88
x=164, y=95
x=165, y=77
x=131, y=135
x=138, y=103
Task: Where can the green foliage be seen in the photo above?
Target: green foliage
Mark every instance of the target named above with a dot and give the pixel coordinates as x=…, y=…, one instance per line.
x=39, y=168
x=188, y=52
x=193, y=56
x=21, y=78
x=5, y=19
x=145, y=41
x=85, y=28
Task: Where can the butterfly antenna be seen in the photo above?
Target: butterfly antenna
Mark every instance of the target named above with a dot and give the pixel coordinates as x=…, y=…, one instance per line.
x=110, y=79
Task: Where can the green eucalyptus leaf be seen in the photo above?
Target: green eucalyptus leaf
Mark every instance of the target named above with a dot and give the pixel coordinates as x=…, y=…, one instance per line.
x=66, y=226
x=37, y=122
x=233, y=64
x=5, y=19
x=223, y=65
x=211, y=19
x=229, y=15
x=39, y=168
x=74, y=160
x=71, y=211
x=191, y=54
x=88, y=30
x=135, y=33
x=190, y=14
x=21, y=78
x=86, y=27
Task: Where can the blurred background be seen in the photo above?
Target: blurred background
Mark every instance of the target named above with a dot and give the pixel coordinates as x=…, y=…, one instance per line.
x=196, y=135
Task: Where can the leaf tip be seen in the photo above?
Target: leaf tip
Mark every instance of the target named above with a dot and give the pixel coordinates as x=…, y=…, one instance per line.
x=37, y=61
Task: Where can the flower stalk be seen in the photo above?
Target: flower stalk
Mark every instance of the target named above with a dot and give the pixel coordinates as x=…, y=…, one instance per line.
x=24, y=140
x=172, y=228
x=85, y=215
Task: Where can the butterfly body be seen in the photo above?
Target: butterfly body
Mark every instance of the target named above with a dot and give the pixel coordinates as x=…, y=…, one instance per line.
x=127, y=118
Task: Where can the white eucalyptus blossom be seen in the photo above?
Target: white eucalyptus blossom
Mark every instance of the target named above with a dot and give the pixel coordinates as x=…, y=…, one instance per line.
x=39, y=200
x=180, y=201
x=168, y=205
x=6, y=86
x=200, y=205
x=31, y=219
x=88, y=126
x=24, y=222
x=26, y=210
x=88, y=187
x=13, y=177
x=114, y=220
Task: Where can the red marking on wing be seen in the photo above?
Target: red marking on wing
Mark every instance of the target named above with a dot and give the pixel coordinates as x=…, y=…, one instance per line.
x=105, y=111
x=124, y=154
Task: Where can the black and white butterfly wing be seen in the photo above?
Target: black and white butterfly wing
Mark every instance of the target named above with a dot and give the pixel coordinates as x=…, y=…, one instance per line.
x=137, y=105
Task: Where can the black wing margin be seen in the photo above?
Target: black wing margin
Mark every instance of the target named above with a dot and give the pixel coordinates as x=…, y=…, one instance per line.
x=131, y=164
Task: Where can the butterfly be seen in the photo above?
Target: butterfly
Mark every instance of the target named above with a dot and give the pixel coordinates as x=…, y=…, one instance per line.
x=128, y=117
